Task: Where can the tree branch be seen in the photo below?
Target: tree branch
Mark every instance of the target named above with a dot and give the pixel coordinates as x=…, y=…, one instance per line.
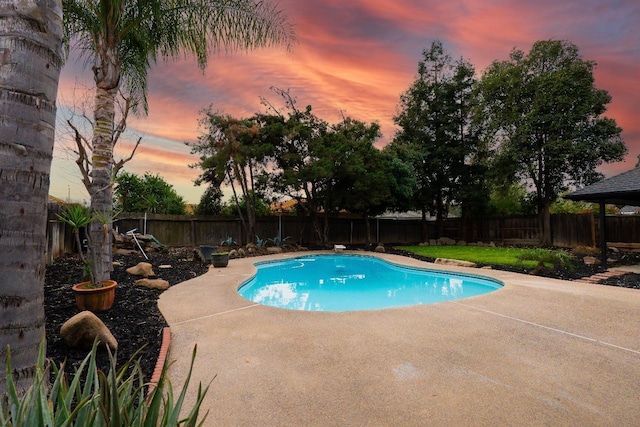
x=83, y=162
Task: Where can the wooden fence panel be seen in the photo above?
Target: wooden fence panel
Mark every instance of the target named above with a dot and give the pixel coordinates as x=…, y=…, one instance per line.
x=60, y=238
x=623, y=228
x=568, y=230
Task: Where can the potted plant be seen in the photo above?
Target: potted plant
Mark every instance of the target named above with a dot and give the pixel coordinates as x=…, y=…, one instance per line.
x=91, y=294
x=220, y=259
x=206, y=251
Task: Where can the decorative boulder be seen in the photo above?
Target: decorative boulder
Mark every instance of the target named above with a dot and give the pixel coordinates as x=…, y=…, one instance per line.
x=197, y=255
x=274, y=250
x=142, y=269
x=153, y=283
x=446, y=241
x=83, y=329
x=446, y=261
x=380, y=248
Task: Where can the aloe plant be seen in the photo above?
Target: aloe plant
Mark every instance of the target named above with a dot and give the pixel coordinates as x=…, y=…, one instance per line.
x=116, y=398
x=76, y=216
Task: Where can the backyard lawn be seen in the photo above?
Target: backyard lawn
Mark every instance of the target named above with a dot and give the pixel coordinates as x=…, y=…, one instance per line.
x=486, y=255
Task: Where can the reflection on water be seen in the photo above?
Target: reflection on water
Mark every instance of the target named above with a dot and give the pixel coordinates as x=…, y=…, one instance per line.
x=343, y=283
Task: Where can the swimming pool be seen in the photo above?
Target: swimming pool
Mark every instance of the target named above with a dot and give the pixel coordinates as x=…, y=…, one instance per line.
x=355, y=282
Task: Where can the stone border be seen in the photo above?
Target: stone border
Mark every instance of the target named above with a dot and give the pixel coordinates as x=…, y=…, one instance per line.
x=162, y=357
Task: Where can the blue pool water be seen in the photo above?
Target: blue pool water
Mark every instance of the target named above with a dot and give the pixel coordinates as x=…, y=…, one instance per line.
x=353, y=282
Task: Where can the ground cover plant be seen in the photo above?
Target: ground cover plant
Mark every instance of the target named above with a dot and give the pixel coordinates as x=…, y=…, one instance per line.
x=507, y=256
x=568, y=265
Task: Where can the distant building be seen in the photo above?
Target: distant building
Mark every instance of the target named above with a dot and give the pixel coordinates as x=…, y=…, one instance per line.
x=630, y=210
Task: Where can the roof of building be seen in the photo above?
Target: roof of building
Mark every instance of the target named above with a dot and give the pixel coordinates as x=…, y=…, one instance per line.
x=622, y=189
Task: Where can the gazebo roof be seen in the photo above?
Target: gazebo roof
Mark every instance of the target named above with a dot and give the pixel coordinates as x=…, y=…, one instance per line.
x=622, y=189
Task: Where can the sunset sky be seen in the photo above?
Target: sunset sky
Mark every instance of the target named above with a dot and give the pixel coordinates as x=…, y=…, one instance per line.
x=358, y=56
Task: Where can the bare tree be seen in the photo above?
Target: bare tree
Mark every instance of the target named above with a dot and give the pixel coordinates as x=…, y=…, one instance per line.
x=76, y=129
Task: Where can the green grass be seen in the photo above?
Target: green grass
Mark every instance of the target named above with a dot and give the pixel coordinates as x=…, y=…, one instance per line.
x=477, y=254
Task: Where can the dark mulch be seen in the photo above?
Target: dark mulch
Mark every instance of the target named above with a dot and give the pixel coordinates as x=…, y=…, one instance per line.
x=134, y=318
x=136, y=322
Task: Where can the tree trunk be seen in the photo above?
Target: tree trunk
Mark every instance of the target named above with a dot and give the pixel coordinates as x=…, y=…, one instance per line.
x=31, y=42
x=440, y=216
x=425, y=230
x=106, y=72
x=365, y=217
x=544, y=218
x=102, y=183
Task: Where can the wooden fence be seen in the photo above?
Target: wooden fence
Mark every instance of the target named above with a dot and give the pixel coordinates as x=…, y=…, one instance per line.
x=567, y=230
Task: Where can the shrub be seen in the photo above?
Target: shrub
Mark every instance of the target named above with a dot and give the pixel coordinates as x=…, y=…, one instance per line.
x=112, y=399
x=558, y=258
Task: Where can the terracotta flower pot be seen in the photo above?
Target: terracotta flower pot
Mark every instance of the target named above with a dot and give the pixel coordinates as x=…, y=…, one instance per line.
x=93, y=298
x=220, y=259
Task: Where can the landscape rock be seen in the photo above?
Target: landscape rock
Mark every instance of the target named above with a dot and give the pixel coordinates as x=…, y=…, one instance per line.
x=83, y=329
x=461, y=243
x=197, y=255
x=153, y=283
x=125, y=252
x=274, y=250
x=241, y=253
x=446, y=261
x=432, y=242
x=380, y=248
x=144, y=269
x=233, y=254
x=591, y=260
x=584, y=250
x=445, y=241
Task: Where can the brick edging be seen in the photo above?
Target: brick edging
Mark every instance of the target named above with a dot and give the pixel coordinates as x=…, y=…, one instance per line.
x=162, y=357
x=596, y=278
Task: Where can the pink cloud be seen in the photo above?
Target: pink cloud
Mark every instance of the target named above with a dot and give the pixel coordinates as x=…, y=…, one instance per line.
x=359, y=56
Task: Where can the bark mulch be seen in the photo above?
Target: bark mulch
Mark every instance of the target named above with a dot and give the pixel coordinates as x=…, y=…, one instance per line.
x=136, y=322
x=134, y=318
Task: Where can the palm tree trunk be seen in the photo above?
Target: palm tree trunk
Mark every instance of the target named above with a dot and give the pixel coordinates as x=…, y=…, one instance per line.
x=31, y=42
x=107, y=73
x=102, y=182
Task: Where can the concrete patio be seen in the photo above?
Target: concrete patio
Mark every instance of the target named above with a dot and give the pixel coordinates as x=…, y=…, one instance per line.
x=537, y=352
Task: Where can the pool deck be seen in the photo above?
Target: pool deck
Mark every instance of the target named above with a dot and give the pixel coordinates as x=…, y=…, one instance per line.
x=537, y=352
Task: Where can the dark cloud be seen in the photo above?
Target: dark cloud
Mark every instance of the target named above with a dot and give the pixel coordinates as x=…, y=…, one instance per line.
x=357, y=56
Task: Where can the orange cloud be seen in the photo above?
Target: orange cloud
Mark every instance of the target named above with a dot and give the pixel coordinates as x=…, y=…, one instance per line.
x=359, y=56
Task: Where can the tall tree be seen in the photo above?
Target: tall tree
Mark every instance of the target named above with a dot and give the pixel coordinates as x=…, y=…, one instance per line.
x=435, y=128
x=360, y=181
x=234, y=151
x=122, y=39
x=210, y=201
x=303, y=167
x=544, y=116
x=31, y=41
x=147, y=193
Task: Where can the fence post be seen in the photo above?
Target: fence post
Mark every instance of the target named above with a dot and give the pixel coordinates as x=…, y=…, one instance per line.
x=592, y=223
x=603, y=235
